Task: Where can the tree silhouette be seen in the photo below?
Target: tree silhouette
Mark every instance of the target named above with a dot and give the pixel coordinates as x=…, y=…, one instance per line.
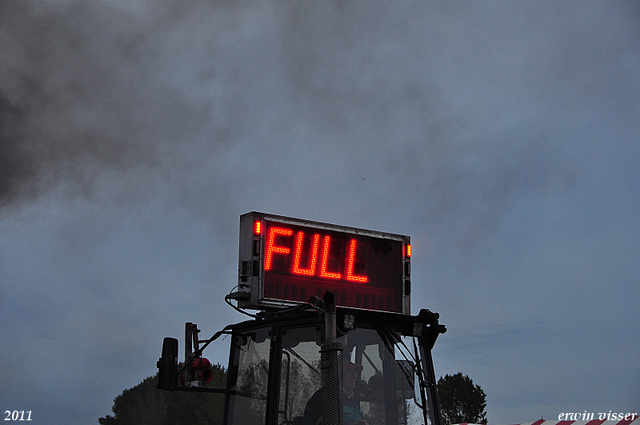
x=145, y=404
x=461, y=401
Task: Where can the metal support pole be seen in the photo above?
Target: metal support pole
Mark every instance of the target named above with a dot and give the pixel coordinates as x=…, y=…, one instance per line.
x=432, y=390
x=331, y=367
x=188, y=336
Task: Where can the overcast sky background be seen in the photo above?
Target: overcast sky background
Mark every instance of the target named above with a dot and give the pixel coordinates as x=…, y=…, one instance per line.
x=503, y=137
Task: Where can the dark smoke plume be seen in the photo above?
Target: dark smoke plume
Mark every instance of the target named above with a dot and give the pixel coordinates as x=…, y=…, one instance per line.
x=14, y=167
x=80, y=96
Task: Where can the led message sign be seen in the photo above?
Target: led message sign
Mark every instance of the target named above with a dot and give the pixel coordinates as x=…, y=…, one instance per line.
x=284, y=261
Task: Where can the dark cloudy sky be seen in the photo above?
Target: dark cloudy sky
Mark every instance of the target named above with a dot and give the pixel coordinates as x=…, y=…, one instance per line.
x=503, y=137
